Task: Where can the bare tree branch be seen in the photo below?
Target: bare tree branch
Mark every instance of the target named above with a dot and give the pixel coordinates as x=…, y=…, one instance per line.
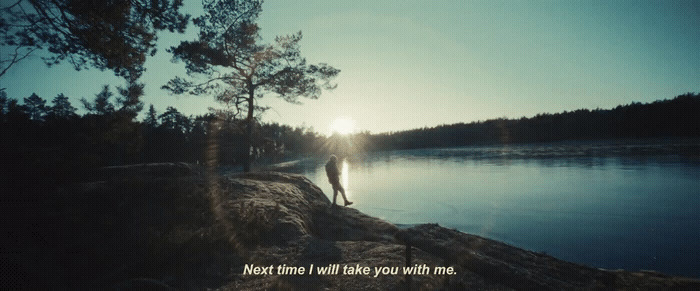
x=16, y=58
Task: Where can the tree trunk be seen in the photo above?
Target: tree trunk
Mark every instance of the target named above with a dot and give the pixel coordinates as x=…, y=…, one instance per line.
x=248, y=159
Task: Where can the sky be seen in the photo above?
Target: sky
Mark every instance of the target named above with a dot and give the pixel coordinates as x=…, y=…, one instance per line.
x=414, y=64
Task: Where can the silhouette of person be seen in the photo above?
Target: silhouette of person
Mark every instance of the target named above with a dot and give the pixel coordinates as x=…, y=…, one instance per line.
x=334, y=178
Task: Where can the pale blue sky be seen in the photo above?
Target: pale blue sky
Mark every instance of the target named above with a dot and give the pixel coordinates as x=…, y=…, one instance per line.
x=409, y=64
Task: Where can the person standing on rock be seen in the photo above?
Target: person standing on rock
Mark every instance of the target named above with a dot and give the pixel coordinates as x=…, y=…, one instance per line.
x=334, y=178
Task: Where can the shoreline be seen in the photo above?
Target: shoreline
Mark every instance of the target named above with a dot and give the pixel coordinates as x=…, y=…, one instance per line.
x=539, y=226
x=174, y=226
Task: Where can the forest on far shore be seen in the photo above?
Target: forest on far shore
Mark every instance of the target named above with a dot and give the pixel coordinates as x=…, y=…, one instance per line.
x=51, y=139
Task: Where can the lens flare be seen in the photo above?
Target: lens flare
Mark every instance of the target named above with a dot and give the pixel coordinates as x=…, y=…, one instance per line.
x=342, y=125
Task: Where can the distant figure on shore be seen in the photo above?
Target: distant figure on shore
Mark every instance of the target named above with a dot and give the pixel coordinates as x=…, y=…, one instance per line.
x=334, y=178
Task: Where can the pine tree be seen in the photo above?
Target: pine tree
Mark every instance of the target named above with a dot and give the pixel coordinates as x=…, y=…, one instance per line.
x=61, y=107
x=238, y=70
x=35, y=107
x=102, y=104
x=151, y=120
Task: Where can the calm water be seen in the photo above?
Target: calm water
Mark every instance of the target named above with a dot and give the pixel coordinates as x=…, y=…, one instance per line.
x=610, y=206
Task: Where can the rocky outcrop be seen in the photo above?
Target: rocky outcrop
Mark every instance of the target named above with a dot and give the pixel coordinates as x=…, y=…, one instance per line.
x=299, y=209
x=174, y=226
x=308, y=231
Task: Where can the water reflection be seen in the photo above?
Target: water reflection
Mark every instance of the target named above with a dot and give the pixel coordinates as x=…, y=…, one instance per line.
x=632, y=211
x=345, y=175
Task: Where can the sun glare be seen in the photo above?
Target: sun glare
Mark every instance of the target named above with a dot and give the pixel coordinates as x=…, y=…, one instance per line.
x=342, y=125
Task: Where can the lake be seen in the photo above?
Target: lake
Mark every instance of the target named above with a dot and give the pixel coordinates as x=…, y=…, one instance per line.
x=609, y=205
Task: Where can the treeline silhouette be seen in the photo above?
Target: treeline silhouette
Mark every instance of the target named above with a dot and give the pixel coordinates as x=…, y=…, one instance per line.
x=54, y=141
x=51, y=139
x=678, y=117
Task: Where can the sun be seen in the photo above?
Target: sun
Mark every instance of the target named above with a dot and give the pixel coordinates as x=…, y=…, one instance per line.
x=342, y=125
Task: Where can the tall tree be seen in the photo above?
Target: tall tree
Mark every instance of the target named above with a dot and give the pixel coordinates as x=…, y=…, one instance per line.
x=229, y=61
x=111, y=127
x=151, y=119
x=175, y=121
x=113, y=35
x=103, y=104
x=61, y=107
x=35, y=106
x=3, y=104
